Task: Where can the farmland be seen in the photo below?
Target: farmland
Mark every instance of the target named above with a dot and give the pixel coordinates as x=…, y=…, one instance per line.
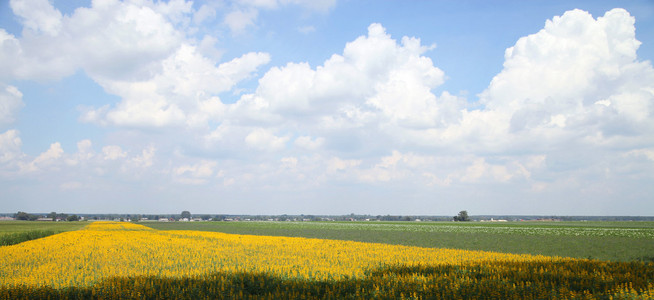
x=615, y=241
x=14, y=232
x=125, y=260
x=10, y=227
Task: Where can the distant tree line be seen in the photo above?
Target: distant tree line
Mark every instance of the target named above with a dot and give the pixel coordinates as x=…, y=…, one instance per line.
x=53, y=216
x=302, y=217
x=23, y=216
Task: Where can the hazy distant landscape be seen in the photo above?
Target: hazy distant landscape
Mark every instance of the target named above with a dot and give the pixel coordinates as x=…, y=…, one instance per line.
x=308, y=217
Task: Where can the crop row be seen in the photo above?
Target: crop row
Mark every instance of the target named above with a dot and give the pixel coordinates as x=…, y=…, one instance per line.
x=646, y=233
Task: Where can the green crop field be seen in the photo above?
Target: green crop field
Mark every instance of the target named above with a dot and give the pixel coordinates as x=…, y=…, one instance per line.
x=9, y=227
x=14, y=232
x=614, y=241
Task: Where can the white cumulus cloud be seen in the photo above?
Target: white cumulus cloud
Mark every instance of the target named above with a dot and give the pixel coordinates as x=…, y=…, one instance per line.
x=377, y=85
x=198, y=173
x=10, y=102
x=10, y=146
x=49, y=158
x=263, y=139
x=113, y=152
x=553, y=80
x=38, y=15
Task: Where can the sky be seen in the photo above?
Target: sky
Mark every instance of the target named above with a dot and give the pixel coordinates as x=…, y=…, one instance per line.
x=327, y=107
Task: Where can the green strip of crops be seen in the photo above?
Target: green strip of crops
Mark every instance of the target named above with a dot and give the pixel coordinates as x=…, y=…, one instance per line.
x=614, y=241
x=14, y=232
x=19, y=237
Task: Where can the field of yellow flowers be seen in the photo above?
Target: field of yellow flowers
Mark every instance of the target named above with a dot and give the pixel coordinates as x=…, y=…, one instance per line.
x=112, y=260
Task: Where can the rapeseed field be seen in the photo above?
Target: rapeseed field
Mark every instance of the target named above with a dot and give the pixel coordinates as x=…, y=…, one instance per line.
x=112, y=260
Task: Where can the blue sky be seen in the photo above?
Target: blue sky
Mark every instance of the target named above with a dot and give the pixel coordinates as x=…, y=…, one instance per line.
x=327, y=107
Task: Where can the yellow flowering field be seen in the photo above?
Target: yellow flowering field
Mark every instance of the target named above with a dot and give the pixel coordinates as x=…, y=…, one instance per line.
x=122, y=260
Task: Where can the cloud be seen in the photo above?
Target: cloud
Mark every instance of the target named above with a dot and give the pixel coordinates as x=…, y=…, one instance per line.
x=244, y=13
x=109, y=40
x=239, y=20
x=417, y=169
x=145, y=159
x=375, y=81
x=379, y=92
x=85, y=150
x=377, y=85
x=205, y=12
x=53, y=153
x=10, y=103
x=289, y=162
x=198, y=173
x=181, y=95
x=113, y=152
x=341, y=165
x=266, y=4
x=263, y=139
x=38, y=15
x=321, y=6
x=49, y=158
x=10, y=54
x=577, y=81
x=576, y=77
x=499, y=173
x=308, y=143
x=647, y=153
x=201, y=169
x=146, y=112
x=10, y=146
x=306, y=29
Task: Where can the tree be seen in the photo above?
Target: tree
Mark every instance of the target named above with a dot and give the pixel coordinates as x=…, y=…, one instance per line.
x=462, y=217
x=186, y=214
x=72, y=218
x=21, y=215
x=53, y=216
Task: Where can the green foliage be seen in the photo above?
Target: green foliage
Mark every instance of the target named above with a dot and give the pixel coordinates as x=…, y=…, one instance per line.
x=186, y=214
x=19, y=237
x=462, y=216
x=22, y=216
